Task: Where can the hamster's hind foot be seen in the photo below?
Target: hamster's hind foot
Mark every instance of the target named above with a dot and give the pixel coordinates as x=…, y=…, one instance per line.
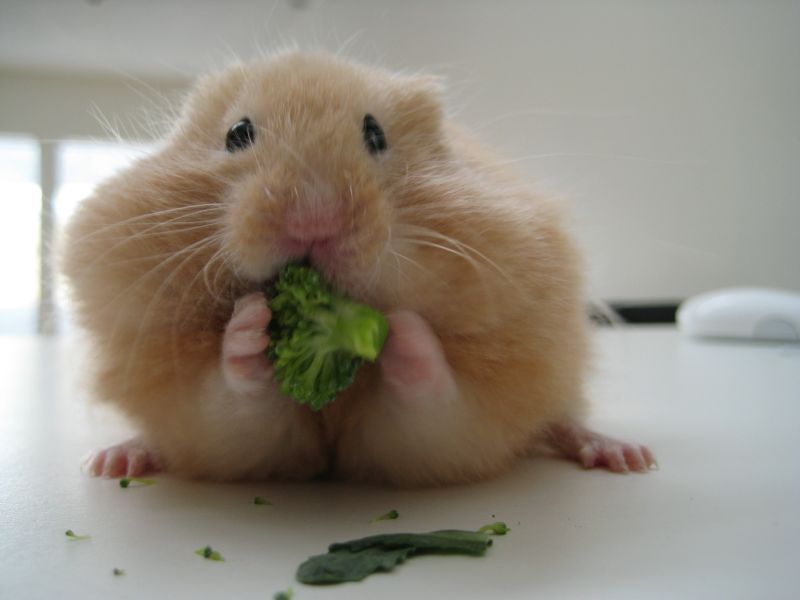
x=244, y=362
x=592, y=449
x=128, y=459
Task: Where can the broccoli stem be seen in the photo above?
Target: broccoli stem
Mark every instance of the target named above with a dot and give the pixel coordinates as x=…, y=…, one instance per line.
x=355, y=328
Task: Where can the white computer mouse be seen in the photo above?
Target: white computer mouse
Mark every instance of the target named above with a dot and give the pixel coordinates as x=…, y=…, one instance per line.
x=742, y=313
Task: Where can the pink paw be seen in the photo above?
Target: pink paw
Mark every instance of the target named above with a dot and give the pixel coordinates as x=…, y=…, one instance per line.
x=244, y=361
x=129, y=459
x=412, y=362
x=592, y=449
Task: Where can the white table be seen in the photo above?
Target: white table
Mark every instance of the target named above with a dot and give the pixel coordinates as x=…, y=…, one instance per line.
x=721, y=519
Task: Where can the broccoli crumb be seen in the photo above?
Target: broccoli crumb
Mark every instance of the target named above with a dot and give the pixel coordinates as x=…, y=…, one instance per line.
x=287, y=595
x=117, y=572
x=74, y=537
x=498, y=528
x=126, y=482
x=261, y=501
x=209, y=554
x=389, y=516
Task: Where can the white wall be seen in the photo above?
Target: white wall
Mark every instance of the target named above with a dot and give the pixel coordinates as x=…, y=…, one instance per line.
x=672, y=127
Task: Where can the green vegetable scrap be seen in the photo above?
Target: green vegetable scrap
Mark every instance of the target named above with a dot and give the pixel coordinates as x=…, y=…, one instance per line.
x=209, y=553
x=318, y=338
x=126, y=482
x=117, y=572
x=74, y=537
x=498, y=528
x=261, y=501
x=287, y=595
x=357, y=559
x=389, y=516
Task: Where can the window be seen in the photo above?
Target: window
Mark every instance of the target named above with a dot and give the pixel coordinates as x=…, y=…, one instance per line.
x=20, y=217
x=81, y=165
x=31, y=301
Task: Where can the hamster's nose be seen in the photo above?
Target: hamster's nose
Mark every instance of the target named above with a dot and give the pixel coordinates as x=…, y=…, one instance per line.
x=307, y=225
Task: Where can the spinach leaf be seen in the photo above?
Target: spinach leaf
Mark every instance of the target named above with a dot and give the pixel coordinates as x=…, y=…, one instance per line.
x=343, y=565
x=356, y=559
x=448, y=541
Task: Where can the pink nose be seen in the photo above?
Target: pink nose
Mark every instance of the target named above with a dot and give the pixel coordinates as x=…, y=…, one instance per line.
x=315, y=224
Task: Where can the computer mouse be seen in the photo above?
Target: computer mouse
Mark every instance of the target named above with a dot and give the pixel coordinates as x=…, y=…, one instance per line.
x=745, y=313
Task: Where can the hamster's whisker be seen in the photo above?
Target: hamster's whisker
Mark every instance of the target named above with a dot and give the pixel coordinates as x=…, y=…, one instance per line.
x=156, y=298
x=196, y=246
x=225, y=266
x=399, y=255
x=464, y=247
x=178, y=316
x=478, y=267
x=148, y=232
x=211, y=284
x=112, y=130
x=133, y=260
x=146, y=257
x=442, y=247
x=594, y=155
x=191, y=250
x=195, y=209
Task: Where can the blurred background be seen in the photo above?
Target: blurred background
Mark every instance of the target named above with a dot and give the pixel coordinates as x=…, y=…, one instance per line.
x=672, y=128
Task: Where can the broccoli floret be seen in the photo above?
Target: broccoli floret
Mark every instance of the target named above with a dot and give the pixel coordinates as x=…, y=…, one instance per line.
x=318, y=338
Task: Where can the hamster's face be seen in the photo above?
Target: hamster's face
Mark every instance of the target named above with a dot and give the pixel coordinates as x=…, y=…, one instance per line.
x=312, y=154
x=299, y=157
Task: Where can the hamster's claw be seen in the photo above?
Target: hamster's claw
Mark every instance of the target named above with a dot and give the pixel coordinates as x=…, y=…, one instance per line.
x=592, y=449
x=128, y=459
x=244, y=362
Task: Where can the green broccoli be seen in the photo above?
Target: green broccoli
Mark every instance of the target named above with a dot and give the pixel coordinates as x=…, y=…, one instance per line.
x=318, y=338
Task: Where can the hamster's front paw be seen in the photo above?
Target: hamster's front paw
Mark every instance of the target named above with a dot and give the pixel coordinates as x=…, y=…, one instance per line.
x=244, y=362
x=128, y=459
x=413, y=364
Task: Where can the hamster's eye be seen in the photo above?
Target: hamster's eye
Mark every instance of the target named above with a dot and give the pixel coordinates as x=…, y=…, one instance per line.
x=374, y=137
x=240, y=136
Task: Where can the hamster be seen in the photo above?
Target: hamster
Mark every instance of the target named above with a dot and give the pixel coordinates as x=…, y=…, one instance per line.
x=357, y=170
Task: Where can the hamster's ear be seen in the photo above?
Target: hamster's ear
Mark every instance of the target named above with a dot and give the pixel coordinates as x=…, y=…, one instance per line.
x=419, y=102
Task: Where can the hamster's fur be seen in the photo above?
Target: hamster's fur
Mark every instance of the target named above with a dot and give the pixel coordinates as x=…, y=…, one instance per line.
x=435, y=225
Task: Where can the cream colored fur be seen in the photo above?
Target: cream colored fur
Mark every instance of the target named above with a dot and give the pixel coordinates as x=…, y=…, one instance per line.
x=157, y=256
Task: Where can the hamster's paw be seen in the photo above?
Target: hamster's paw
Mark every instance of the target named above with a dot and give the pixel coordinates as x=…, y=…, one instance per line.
x=592, y=449
x=128, y=459
x=413, y=364
x=244, y=362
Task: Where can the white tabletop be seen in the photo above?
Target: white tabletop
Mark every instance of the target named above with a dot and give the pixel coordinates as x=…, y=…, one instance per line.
x=721, y=519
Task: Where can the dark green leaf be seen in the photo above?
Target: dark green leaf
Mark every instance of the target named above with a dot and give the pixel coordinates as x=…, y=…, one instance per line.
x=356, y=559
x=437, y=542
x=337, y=567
